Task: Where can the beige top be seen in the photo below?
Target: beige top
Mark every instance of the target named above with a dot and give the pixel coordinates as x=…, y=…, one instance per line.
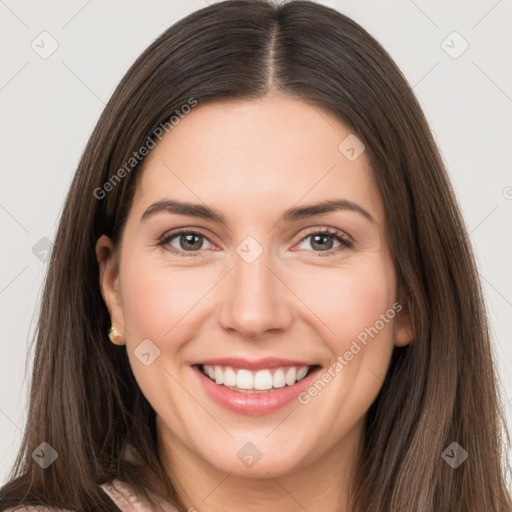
x=126, y=499
x=121, y=494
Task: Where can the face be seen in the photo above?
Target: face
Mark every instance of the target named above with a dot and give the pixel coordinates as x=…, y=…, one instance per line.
x=277, y=265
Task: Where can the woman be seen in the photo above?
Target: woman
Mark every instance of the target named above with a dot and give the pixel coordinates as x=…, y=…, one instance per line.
x=262, y=293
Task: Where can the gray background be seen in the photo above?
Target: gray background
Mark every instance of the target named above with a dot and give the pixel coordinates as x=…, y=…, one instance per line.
x=50, y=105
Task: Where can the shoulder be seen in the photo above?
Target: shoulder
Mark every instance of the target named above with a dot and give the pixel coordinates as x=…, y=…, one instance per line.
x=118, y=491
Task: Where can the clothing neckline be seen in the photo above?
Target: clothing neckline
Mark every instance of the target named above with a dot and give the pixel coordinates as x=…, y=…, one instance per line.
x=128, y=501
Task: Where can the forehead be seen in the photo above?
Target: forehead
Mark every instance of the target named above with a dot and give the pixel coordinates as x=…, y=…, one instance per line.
x=250, y=155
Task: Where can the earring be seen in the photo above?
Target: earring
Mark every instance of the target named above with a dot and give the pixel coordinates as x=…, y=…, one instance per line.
x=114, y=335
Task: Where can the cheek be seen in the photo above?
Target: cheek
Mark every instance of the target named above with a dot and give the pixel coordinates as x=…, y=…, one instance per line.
x=355, y=310
x=357, y=307
x=348, y=300
x=159, y=305
x=158, y=298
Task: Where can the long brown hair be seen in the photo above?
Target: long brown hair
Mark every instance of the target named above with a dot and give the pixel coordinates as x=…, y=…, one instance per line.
x=441, y=389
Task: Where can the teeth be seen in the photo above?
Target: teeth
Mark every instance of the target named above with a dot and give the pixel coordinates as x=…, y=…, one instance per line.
x=244, y=379
x=291, y=376
x=278, y=379
x=263, y=380
x=260, y=380
x=301, y=373
x=219, y=375
x=229, y=377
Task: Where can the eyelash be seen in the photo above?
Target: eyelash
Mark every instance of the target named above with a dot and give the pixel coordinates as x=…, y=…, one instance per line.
x=345, y=243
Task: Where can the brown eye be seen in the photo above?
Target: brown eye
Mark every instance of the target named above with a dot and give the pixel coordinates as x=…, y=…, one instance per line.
x=325, y=241
x=183, y=242
x=190, y=242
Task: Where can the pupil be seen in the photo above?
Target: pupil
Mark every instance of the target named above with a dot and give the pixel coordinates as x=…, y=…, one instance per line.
x=189, y=239
x=322, y=241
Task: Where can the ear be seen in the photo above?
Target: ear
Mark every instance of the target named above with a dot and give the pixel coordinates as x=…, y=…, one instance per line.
x=404, y=330
x=108, y=262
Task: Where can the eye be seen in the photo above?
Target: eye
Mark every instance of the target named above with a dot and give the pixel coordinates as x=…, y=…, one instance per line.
x=325, y=240
x=185, y=242
x=188, y=242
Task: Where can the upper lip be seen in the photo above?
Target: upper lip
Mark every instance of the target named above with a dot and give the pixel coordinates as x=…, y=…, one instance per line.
x=255, y=364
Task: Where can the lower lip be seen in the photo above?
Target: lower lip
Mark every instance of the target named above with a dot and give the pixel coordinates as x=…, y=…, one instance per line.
x=253, y=403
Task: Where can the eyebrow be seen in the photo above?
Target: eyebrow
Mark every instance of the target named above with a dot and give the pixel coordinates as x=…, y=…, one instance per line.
x=292, y=214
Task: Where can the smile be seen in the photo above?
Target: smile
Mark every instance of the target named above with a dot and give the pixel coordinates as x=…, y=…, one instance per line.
x=254, y=388
x=243, y=380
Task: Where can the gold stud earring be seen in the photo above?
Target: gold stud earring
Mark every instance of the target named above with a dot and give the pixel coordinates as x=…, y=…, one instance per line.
x=114, y=335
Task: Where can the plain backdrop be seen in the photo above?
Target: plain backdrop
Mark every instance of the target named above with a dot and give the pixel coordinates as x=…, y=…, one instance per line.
x=455, y=54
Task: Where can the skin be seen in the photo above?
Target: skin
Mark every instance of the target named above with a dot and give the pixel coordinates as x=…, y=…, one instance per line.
x=251, y=161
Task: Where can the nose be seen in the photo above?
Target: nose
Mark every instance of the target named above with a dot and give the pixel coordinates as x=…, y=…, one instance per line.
x=255, y=300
